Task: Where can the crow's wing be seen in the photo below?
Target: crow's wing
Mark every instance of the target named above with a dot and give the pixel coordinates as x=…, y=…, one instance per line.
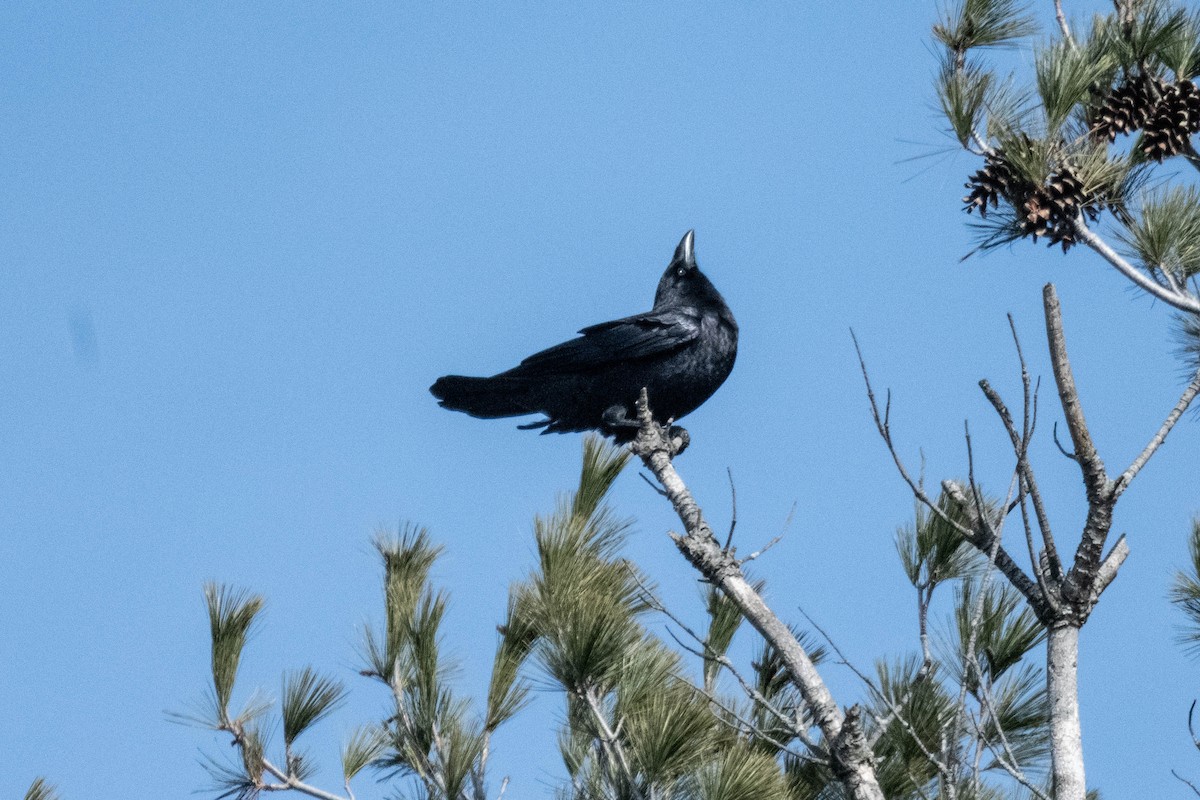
x=642, y=336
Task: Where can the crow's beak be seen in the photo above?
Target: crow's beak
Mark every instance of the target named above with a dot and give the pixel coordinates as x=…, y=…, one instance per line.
x=684, y=253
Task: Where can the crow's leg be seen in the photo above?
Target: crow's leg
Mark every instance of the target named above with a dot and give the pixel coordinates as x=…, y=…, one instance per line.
x=618, y=417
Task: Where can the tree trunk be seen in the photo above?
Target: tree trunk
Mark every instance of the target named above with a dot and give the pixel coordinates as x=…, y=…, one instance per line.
x=1066, y=741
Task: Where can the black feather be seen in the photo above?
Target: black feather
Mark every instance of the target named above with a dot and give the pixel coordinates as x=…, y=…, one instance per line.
x=680, y=351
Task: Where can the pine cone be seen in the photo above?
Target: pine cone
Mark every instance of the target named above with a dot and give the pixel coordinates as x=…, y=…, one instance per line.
x=989, y=184
x=1175, y=119
x=1128, y=107
x=1051, y=210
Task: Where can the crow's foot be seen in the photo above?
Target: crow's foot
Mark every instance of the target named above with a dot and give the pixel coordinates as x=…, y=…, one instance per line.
x=678, y=438
x=618, y=417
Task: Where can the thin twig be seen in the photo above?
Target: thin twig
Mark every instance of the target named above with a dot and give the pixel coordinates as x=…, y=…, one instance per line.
x=761, y=550
x=733, y=509
x=709, y=654
x=1012, y=765
x=610, y=741
x=651, y=484
x=1156, y=441
x=1029, y=425
x=1062, y=449
x=1185, y=780
x=895, y=710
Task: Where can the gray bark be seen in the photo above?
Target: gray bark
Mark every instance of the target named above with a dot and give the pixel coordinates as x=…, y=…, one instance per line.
x=1066, y=741
x=850, y=756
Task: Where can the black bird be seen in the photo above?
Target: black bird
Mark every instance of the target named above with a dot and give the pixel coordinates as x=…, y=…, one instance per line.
x=681, y=351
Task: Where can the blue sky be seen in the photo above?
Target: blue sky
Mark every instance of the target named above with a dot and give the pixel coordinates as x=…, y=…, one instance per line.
x=237, y=245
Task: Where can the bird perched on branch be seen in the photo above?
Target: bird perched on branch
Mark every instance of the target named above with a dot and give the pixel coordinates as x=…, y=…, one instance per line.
x=680, y=351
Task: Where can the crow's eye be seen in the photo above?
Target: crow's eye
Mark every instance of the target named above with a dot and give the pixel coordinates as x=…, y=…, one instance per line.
x=680, y=272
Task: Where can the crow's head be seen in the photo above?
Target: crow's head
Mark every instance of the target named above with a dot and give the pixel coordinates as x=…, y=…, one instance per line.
x=683, y=284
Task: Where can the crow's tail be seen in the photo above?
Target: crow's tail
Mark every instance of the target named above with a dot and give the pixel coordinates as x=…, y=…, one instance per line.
x=498, y=396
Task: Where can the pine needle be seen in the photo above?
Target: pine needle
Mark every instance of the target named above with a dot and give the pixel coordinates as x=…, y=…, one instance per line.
x=231, y=616
x=307, y=698
x=41, y=790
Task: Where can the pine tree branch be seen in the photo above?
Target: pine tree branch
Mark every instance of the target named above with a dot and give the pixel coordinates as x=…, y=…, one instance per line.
x=1027, y=484
x=850, y=759
x=1004, y=562
x=1008, y=760
x=894, y=709
x=1181, y=301
x=1062, y=23
x=708, y=654
x=1094, y=477
x=609, y=738
x=1126, y=477
x=425, y=768
x=290, y=781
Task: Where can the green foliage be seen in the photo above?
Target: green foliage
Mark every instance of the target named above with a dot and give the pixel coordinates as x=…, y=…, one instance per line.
x=407, y=559
x=1185, y=593
x=984, y=23
x=1165, y=236
x=1066, y=76
x=508, y=692
x=933, y=551
x=724, y=619
x=231, y=616
x=1179, y=45
x=738, y=773
x=364, y=746
x=918, y=711
x=41, y=790
x=1144, y=41
x=1005, y=632
x=307, y=698
x=963, y=91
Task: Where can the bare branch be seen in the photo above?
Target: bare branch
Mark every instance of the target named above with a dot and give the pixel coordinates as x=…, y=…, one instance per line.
x=850, y=759
x=1191, y=785
x=1126, y=477
x=733, y=508
x=1062, y=23
x=883, y=426
x=1109, y=566
x=1011, y=570
x=1029, y=425
x=1183, y=302
x=650, y=483
x=608, y=736
x=1027, y=485
x=1094, y=476
x=761, y=550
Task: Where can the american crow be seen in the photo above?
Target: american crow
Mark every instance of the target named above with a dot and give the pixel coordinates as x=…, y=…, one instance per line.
x=681, y=351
